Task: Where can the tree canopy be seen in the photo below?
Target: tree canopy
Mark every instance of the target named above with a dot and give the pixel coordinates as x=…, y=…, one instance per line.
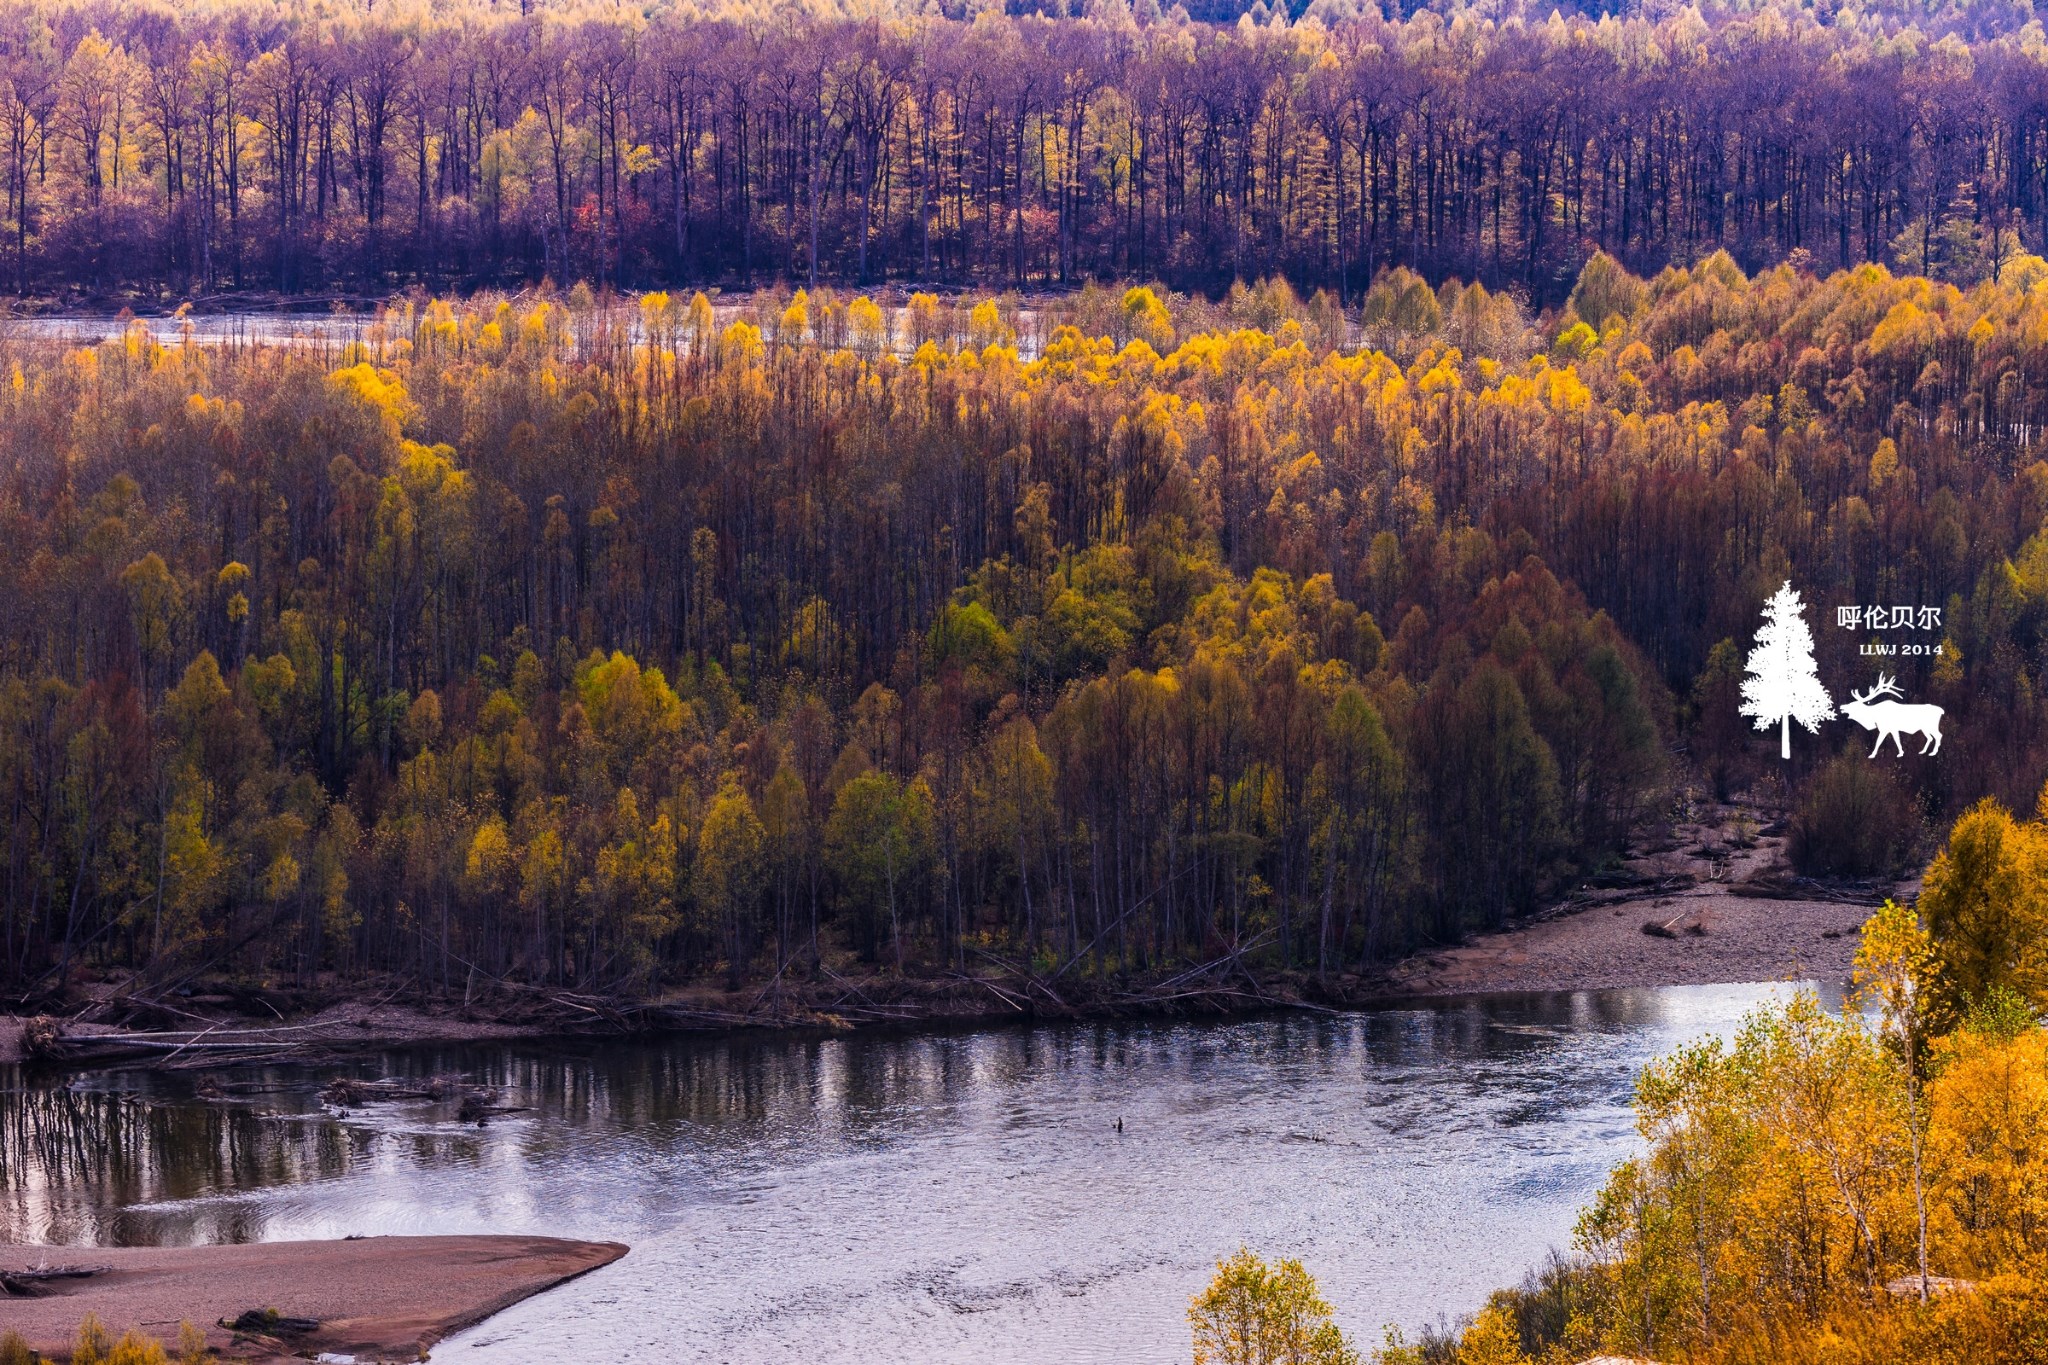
x=243, y=144
x=623, y=643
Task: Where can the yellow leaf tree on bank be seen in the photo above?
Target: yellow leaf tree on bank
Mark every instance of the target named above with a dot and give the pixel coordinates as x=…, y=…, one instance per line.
x=1253, y=1313
x=1816, y=1189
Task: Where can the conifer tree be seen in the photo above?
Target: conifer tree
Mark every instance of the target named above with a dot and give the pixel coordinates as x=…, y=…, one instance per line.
x=1782, y=685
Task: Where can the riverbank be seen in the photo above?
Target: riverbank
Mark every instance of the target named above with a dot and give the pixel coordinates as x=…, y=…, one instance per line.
x=1710, y=901
x=210, y=1030
x=1706, y=901
x=370, y=1298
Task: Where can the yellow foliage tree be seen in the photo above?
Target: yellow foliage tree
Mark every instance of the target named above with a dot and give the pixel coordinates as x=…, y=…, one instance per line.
x=1253, y=1313
x=1985, y=900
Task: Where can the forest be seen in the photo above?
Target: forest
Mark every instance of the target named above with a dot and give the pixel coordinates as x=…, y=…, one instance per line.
x=151, y=153
x=615, y=642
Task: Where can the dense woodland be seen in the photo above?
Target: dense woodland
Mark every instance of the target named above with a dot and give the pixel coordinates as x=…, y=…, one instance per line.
x=159, y=152
x=621, y=644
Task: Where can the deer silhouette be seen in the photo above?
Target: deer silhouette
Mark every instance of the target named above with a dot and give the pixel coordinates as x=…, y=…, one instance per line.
x=1892, y=719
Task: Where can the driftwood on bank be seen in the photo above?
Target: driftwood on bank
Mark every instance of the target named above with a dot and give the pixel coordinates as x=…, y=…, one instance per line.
x=269, y=1323
x=834, y=1002
x=58, y=1042
x=129, y=1027
x=474, y=1103
x=1780, y=884
x=36, y=1280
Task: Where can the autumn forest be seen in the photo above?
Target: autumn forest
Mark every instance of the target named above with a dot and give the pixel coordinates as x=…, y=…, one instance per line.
x=156, y=152
x=610, y=635
x=617, y=643
x=1100, y=498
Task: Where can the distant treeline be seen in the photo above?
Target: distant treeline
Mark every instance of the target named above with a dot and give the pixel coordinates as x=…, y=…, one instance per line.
x=265, y=145
x=622, y=645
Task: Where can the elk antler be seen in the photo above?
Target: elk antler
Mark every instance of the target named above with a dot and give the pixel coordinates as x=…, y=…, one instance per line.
x=1884, y=686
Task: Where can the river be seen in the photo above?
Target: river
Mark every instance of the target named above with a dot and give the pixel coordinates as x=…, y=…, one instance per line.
x=203, y=329
x=334, y=331
x=952, y=1197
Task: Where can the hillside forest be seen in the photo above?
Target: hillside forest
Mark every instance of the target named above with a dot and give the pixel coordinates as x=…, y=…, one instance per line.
x=616, y=644
x=155, y=152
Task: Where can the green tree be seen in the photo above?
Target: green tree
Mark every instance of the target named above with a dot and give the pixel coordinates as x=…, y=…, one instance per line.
x=730, y=869
x=1355, y=796
x=1689, y=1106
x=878, y=841
x=1985, y=902
x=787, y=829
x=155, y=604
x=636, y=879
x=1020, y=818
x=1491, y=801
x=1719, y=736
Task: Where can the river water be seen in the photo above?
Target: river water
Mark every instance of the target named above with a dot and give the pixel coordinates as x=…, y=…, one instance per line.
x=203, y=329
x=334, y=331
x=956, y=1197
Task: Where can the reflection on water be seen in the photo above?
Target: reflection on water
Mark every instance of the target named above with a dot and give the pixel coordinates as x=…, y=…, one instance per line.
x=961, y=1197
x=315, y=330
x=204, y=329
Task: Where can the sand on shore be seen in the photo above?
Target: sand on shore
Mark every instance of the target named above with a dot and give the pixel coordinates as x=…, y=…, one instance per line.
x=1605, y=948
x=1720, y=931
x=376, y=1298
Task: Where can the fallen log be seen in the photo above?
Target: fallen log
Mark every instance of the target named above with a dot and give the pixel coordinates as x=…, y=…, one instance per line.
x=348, y=1091
x=1776, y=886
x=269, y=1322
x=30, y=1282
x=484, y=1105
x=992, y=988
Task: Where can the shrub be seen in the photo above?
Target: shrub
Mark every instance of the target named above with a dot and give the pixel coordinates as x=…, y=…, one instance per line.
x=1855, y=820
x=136, y=1349
x=92, y=1345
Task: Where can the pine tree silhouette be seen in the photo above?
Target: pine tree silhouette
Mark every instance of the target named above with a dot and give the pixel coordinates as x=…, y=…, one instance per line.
x=1781, y=685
